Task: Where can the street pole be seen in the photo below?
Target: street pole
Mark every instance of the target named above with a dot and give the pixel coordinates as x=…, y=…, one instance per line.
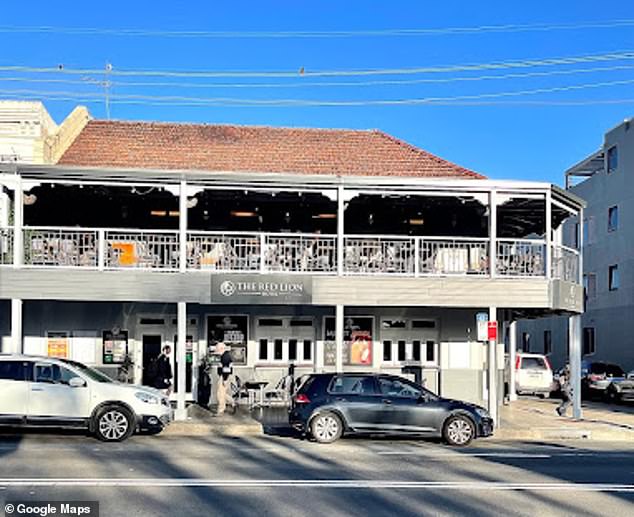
x=492, y=366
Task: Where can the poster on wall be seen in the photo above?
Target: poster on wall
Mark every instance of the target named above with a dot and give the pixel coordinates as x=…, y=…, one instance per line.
x=115, y=346
x=57, y=344
x=357, y=337
x=233, y=331
x=84, y=346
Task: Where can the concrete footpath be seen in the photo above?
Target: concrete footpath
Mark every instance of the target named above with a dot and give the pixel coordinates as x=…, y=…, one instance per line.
x=522, y=420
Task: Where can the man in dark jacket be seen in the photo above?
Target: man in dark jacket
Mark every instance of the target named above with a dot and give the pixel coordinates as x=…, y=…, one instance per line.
x=163, y=379
x=566, y=391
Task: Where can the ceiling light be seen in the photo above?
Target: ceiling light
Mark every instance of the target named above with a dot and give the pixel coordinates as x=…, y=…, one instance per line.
x=174, y=213
x=417, y=222
x=158, y=213
x=242, y=213
x=325, y=216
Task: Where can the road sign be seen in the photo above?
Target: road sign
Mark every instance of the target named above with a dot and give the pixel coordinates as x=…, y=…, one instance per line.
x=493, y=330
x=481, y=324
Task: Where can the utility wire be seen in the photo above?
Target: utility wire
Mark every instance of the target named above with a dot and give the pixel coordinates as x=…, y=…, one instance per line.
x=501, y=65
x=439, y=31
x=237, y=102
x=302, y=84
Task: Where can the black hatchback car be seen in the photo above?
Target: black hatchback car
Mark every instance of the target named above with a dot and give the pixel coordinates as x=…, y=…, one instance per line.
x=328, y=405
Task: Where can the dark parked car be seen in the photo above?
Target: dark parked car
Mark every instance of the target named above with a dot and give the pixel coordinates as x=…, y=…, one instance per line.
x=597, y=376
x=329, y=405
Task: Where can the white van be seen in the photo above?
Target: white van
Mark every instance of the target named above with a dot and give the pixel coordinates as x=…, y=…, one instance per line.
x=48, y=392
x=533, y=374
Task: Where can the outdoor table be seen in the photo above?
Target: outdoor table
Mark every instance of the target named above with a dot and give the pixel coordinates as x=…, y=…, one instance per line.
x=254, y=387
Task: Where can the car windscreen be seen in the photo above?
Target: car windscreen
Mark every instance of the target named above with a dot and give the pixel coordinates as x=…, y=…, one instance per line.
x=612, y=370
x=89, y=372
x=533, y=363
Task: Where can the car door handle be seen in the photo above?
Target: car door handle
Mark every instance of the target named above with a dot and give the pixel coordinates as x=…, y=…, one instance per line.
x=387, y=401
x=35, y=388
x=340, y=399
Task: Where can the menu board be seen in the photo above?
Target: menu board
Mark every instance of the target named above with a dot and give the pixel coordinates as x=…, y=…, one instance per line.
x=357, y=338
x=231, y=330
x=115, y=346
x=57, y=344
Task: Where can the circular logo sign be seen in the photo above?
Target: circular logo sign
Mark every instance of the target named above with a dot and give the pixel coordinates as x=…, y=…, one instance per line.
x=227, y=288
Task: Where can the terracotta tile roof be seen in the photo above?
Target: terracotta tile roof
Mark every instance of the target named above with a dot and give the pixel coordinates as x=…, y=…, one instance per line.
x=253, y=149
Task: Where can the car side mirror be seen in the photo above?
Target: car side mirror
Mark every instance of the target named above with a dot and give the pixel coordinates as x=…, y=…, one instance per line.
x=76, y=382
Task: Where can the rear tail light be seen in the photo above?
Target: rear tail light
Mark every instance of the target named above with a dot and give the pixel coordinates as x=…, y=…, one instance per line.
x=548, y=363
x=302, y=398
x=596, y=377
x=517, y=363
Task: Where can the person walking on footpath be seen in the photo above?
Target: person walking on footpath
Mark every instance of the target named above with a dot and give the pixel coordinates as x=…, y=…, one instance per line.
x=566, y=391
x=225, y=370
x=163, y=371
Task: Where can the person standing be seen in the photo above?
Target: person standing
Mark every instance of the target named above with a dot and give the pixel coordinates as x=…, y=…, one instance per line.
x=163, y=379
x=566, y=391
x=225, y=370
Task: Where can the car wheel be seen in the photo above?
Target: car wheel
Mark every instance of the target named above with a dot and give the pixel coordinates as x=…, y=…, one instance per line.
x=326, y=428
x=545, y=395
x=458, y=431
x=113, y=424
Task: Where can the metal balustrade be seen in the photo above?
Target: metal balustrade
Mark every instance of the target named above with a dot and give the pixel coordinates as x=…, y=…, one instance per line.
x=287, y=253
x=379, y=255
x=565, y=264
x=451, y=256
x=6, y=246
x=218, y=251
x=142, y=249
x=60, y=247
x=521, y=257
x=310, y=253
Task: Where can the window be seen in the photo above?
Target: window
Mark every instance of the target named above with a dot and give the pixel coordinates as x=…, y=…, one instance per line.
x=269, y=322
x=352, y=384
x=12, y=371
x=308, y=350
x=526, y=342
x=278, y=350
x=574, y=241
x=430, y=351
x=301, y=323
x=589, y=232
x=394, y=324
x=387, y=350
x=533, y=363
x=416, y=350
x=401, y=351
x=263, y=355
x=548, y=342
x=292, y=349
x=613, y=218
x=613, y=277
x=590, y=285
x=423, y=324
x=52, y=374
x=391, y=387
x=612, y=159
x=589, y=341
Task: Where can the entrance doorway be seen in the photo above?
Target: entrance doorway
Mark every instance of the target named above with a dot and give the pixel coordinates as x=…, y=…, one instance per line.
x=152, y=344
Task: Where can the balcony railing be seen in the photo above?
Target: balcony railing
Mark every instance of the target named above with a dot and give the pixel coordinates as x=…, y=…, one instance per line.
x=287, y=253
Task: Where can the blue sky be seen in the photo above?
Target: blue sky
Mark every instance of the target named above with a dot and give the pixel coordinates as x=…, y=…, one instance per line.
x=501, y=141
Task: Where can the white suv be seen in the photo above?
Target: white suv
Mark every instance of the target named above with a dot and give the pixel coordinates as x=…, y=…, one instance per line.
x=42, y=391
x=533, y=374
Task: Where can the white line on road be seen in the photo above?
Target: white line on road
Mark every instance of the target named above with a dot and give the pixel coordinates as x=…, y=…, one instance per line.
x=312, y=483
x=458, y=455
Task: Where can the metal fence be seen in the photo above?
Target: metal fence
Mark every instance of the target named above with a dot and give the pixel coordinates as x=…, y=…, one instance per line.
x=450, y=256
x=64, y=247
x=565, y=264
x=143, y=249
x=379, y=255
x=6, y=246
x=223, y=251
x=522, y=257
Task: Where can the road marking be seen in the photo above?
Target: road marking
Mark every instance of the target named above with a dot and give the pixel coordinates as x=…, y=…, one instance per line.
x=314, y=483
x=459, y=455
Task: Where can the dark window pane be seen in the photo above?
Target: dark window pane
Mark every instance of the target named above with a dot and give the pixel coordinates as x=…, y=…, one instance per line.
x=352, y=384
x=394, y=324
x=269, y=322
x=430, y=351
x=423, y=324
x=416, y=350
x=533, y=363
x=278, y=354
x=401, y=350
x=387, y=350
x=308, y=350
x=12, y=370
x=397, y=388
x=292, y=349
x=301, y=323
x=264, y=349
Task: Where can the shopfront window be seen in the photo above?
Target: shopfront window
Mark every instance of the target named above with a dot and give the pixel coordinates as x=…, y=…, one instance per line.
x=357, y=337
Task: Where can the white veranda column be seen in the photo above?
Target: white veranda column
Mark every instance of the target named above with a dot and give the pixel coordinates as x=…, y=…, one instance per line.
x=181, y=357
x=339, y=337
x=512, y=359
x=574, y=336
x=16, y=327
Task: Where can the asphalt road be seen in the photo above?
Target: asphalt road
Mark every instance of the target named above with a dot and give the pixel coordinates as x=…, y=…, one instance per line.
x=176, y=476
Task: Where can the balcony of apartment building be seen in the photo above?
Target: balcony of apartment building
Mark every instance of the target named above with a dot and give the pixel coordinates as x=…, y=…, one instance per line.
x=476, y=229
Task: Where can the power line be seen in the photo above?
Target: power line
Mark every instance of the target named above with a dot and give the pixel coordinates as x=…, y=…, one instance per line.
x=237, y=102
x=439, y=31
x=501, y=65
x=302, y=84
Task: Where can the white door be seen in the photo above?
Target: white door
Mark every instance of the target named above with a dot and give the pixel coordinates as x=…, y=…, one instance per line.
x=15, y=391
x=52, y=399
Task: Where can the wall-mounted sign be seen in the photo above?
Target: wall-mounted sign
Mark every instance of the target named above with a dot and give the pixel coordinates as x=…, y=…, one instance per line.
x=482, y=318
x=357, y=337
x=493, y=331
x=261, y=289
x=115, y=346
x=233, y=331
x=57, y=344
